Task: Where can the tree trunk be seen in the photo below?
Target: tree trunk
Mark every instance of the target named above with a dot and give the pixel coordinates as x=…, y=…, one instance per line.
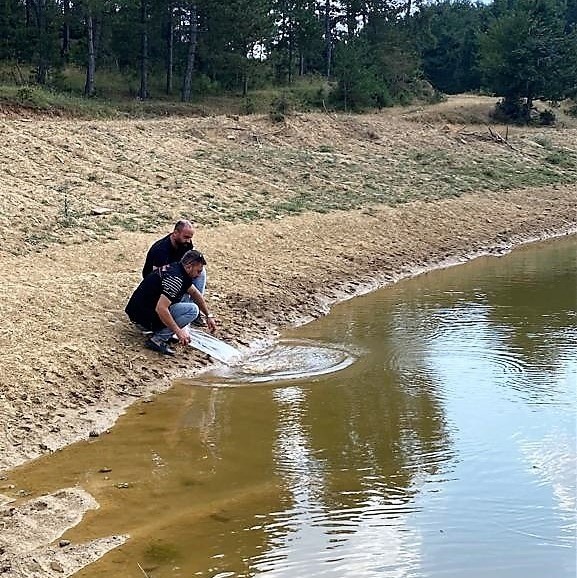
x=42, y=23
x=528, y=108
x=143, y=92
x=351, y=19
x=290, y=50
x=91, y=62
x=98, y=26
x=42, y=71
x=192, y=40
x=328, y=40
x=169, y=50
x=28, y=13
x=65, y=48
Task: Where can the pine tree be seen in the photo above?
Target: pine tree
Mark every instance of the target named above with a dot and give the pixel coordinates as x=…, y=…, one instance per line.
x=448, y=38
x=529, y=53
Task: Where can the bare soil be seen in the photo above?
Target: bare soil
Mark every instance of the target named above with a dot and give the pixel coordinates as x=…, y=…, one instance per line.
x=292, y=218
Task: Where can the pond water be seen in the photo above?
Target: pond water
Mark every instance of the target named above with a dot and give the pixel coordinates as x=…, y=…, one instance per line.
x=432, y=435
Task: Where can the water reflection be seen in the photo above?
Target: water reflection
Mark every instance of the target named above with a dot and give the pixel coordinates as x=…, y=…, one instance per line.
x=502, y=366
x=357, y=529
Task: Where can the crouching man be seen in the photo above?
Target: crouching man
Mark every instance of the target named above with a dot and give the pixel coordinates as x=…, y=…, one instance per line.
x=156, y=303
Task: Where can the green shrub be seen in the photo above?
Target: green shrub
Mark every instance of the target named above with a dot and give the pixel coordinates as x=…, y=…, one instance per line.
x=547, y=117
x=433, y=96
x=560, y=158
x=281, y=107
x=310, y=93
x=203, y=85
x=248, y=106
x=511, y=110
x=31, y=96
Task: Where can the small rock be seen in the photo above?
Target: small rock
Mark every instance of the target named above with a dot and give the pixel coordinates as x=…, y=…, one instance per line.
x=100, y=210
x=57, y=567
x=64, y=543
x=93, y=434
x=105, y=470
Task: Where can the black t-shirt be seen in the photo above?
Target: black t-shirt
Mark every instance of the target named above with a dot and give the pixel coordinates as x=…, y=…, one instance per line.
x=171, y=281
x=162, y=253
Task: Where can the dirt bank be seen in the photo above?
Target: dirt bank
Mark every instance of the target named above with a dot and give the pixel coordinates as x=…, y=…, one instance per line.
x=71, y=363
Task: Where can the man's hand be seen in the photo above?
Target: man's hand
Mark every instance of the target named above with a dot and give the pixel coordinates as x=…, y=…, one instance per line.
x=183, y=336
x=211, y=325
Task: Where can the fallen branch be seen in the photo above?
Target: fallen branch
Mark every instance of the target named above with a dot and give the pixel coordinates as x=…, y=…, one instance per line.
x=143, y=570
x=333, y=116
x=498, y=138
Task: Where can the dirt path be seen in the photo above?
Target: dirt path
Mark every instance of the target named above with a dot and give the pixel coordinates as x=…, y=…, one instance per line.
x=71, y=363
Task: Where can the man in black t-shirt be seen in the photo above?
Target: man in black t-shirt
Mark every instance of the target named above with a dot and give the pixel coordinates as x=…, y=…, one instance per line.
x=170, y=249
x=157, y=304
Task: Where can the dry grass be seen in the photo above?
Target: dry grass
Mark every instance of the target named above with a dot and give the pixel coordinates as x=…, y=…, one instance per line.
x=234, y=169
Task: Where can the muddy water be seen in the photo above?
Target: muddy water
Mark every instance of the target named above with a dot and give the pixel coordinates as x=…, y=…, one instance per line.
x=441, y=442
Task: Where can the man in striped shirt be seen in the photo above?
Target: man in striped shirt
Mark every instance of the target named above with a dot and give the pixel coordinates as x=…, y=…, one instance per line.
x=157, y=304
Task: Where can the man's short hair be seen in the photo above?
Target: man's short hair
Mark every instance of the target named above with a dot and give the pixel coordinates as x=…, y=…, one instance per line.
x=193, y=256
x=182, y=224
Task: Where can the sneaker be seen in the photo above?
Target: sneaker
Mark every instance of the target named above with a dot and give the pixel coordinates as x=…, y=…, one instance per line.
x=143, y=329
x=199, y=321
x=160, y=346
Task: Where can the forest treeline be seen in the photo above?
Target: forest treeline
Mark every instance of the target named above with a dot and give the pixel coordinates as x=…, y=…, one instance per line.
x=370, y=53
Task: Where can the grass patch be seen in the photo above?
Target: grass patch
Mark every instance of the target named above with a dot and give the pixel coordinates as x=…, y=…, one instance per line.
x=544, y=141
x=117, y=97
x=323, y=185
x=561, y=158
x=429, y=157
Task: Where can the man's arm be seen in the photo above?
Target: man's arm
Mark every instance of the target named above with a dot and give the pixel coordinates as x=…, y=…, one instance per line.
x=199, y=300
x=165, y=316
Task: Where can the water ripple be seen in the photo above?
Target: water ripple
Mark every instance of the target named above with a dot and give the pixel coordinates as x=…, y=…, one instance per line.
x=287, y=359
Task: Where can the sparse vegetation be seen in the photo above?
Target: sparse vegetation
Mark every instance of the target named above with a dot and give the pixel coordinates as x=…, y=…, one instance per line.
x=229, y=169
x=560, y=157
